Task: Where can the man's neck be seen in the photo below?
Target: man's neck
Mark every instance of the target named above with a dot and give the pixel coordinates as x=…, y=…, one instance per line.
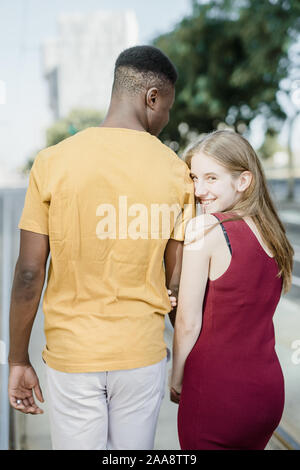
x=123, y=114
x=117, y=122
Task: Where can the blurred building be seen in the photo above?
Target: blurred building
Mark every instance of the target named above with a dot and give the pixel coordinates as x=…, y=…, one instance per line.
x=10, y=178
x=79, y=63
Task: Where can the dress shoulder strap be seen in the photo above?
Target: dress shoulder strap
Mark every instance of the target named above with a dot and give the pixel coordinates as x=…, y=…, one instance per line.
x=217, y=215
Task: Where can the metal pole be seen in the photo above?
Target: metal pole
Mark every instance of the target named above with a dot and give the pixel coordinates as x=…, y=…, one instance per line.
x=6, y=281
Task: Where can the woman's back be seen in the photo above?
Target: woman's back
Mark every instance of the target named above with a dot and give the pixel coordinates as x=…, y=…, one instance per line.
x=249, y=287
x=222, y=252
x=233, y=371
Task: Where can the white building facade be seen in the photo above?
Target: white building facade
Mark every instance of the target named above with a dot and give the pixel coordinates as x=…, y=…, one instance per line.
x=79, y=63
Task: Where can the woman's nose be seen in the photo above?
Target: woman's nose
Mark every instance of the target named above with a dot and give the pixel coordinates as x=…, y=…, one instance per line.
x=200, y=189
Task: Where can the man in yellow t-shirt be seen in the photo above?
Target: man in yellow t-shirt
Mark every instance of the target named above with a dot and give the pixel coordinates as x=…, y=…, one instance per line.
x=110, y=204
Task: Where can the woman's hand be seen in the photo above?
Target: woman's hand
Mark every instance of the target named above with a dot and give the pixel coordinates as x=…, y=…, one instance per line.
x=173, y=299
x=174, y=395
x=175, y=390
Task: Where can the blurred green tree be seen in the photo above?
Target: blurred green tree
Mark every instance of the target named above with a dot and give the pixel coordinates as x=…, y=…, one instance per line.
x=270, y=146
x=25, y=169
x=77, y=120
x=231, y=56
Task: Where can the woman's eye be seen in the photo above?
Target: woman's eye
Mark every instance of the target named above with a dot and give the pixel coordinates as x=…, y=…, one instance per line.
x=211, y=178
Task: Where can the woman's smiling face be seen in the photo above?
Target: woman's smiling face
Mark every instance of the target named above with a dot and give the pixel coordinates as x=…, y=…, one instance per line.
x=215, y=187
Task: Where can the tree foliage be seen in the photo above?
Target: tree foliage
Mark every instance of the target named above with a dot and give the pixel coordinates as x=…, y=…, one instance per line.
x=231, y=56
x=270, y=146
x=77, y=120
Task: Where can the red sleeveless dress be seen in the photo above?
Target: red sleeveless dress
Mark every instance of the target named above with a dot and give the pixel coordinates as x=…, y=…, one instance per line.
x=233, y=388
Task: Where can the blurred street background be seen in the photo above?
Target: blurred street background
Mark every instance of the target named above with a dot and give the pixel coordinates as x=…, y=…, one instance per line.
x=239, y=68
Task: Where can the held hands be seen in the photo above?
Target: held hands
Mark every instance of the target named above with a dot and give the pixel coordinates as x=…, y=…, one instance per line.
x=21, y=384
x=173, y=299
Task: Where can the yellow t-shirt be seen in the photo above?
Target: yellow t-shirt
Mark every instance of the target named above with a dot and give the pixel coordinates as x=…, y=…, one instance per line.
x=105, y=198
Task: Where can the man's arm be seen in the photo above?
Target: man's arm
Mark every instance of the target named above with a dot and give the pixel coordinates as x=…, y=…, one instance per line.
x=26, y=292
x=27, y=287
x=173, y=262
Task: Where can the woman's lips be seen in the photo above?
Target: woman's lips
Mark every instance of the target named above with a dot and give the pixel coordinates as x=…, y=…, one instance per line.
x=206, y=202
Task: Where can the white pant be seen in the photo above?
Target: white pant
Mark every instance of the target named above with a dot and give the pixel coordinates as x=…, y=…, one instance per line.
x=105, y=410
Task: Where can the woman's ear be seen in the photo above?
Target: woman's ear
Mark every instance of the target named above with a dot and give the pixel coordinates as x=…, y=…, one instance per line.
x=244, y=181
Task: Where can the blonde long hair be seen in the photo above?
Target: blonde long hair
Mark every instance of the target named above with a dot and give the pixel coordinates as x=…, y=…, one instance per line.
x=236, y=154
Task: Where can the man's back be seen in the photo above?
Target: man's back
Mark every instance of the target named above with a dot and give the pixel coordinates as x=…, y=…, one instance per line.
x=106, y=203
x=110, y=198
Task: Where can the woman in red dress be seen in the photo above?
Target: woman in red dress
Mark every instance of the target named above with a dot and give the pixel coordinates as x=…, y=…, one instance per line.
x=237, y=261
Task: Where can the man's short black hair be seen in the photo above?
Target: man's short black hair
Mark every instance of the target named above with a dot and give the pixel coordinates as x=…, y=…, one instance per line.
x=141, y=67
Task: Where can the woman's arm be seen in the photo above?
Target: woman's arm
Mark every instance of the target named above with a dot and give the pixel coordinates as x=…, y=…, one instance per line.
x=194, y=275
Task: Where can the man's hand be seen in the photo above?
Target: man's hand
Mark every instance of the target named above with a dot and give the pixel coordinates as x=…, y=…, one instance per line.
x=22, y=381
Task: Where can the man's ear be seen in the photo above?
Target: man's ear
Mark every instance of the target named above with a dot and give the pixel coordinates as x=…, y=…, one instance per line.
x=151, y=97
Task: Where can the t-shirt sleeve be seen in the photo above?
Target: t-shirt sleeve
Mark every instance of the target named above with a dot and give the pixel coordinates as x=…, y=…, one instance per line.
x=188, y=209
x=36, y=206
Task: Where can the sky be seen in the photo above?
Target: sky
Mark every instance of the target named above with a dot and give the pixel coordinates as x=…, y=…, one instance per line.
x=24, y=25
